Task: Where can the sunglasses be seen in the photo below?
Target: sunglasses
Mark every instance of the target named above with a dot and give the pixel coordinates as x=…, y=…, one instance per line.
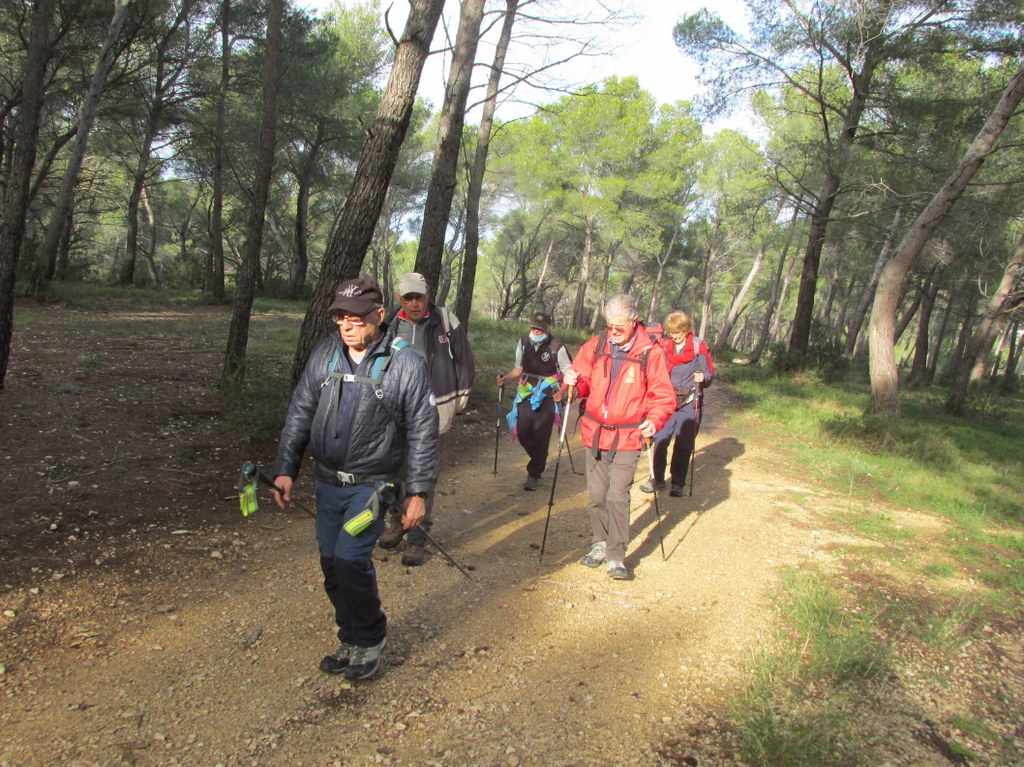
x=619, y=328
x=356, y=322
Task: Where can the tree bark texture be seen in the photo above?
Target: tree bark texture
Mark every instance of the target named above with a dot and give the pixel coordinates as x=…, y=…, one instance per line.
x=22, y=159
x=241, y=309
x=1007, y=297
x=919, y=368
x=60, y=220
x=882, y=357
x=219, y=133
x=438, y=205
x=354, y=232
x=737, y=301
x=869, y=290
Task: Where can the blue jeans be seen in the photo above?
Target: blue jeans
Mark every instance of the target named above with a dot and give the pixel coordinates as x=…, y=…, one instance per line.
x=350, y=579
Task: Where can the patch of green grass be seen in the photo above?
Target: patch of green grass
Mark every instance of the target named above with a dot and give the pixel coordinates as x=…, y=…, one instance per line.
x=774, y=728
x=838, y=643
x=791, y=712
x=879, y=525
x=974, y=728
x=938, y=570
x=257, y=409
x=1005, y=574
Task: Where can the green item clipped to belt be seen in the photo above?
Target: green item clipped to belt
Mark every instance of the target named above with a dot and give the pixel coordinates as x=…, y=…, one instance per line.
x=247, y=499
x=383, y=495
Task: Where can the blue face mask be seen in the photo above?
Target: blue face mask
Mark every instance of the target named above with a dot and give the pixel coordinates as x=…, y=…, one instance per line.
x=537, y=336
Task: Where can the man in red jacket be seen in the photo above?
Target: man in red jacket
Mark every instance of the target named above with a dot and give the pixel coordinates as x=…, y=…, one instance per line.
x=624, y=376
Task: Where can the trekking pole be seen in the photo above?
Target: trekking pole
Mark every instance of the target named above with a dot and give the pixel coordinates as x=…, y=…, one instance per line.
x=250, y=472
x=693, y=450
x=554, y=478
x=654, y=484
x=497, y=427
x=447, y=556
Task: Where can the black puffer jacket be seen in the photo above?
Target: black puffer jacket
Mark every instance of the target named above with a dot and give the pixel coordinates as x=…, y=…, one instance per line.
x=376, y=443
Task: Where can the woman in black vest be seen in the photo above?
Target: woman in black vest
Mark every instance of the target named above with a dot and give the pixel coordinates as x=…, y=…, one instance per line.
x=541, y=361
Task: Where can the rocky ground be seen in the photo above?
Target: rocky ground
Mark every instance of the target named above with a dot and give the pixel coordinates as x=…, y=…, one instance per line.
x=146, y=622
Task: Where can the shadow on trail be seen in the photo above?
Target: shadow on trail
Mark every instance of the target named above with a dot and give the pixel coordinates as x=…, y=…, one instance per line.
x=711, y=483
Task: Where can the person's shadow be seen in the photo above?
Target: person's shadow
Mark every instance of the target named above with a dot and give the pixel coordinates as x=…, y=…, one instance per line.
x=710, y=484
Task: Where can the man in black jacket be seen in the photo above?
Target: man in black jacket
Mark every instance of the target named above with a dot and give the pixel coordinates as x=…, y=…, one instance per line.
x=364, y=409
x=435, y=333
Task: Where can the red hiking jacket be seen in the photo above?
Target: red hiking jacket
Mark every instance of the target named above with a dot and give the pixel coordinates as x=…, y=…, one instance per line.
x=642, y=391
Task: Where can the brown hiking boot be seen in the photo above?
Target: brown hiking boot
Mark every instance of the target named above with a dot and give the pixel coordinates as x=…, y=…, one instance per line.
x=392, y=534
x=415, y=554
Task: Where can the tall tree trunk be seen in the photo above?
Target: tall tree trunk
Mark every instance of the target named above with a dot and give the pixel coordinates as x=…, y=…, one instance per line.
x=833, y=284
x=882, y=362
x=579, y=304
x=734, y=309
x=135, y=197
x=598, y=315
x=241, y=309
x=1007, y=297
x=438, y=205
x=861, y=89
x=150, y=249
x=957, y=352
x=919, y=369
x=774, y=302
x=352, y=235
x=1012, y=357
x=540, y=304
x=662, y=261
x=869, y=290
x=705, y=306
x=46, y=259
x=19, y=177
x=219, y=134
x=935, y=346
x=904, y=322
x=300, y=263
x=464, y=299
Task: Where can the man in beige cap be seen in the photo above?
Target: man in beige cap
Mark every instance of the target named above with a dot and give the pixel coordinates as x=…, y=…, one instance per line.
x=436, y=334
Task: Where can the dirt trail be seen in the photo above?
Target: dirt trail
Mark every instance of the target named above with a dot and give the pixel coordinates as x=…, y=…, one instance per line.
x=201, y=649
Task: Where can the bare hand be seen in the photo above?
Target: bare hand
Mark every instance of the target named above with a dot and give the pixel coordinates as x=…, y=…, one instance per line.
x=501, y=380
x=647, y=429
x=415, y=509
x=698, y=377
x=283, y=498
x=571, y=377
x=557, y=396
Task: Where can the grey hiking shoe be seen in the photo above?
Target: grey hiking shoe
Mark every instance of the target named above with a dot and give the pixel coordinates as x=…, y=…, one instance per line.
x=392, y=534
x=364, y=661
x=596, y=555
x=531, y=483
x=676, y=491
x=617, y=570
x=648, y=486
x=336, y=662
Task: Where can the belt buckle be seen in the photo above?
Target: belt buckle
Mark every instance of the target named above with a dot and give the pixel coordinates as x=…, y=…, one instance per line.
x=345, y=478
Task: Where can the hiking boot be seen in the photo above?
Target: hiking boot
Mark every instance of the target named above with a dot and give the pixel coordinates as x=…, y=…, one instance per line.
x=648, y=486
x=676, y=491
x=336, y=662
x=364, y=661
x=617, y=570
x=595, y=556
x=531, y=483
x=392, y=534
x=415, y=554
